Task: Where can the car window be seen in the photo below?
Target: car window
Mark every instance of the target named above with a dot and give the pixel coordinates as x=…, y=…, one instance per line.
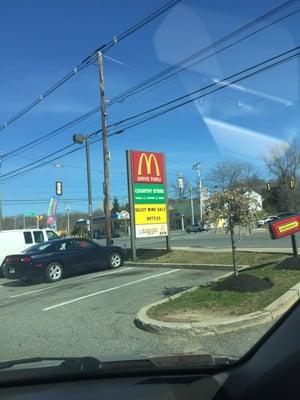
x=85, y=244
x=39, y=248
x=51, y=235
x=38, y=236
x=28, y=237
x=64, y=246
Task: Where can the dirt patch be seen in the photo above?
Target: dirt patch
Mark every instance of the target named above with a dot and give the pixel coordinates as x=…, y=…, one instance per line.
x=243, y=283
x=292, y=263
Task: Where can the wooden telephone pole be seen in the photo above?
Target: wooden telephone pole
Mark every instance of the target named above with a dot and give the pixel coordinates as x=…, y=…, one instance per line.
x=105, y=153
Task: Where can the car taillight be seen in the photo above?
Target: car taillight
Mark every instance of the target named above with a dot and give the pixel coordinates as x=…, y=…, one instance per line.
x=26, y=260
x=11, y=260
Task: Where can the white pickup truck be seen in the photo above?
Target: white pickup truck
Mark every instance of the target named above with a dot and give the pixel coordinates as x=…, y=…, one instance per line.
x=15, y=241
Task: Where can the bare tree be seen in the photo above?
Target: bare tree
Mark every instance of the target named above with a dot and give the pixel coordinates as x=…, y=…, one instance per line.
x=283, y=164
x=232, y=175
x=283, y=161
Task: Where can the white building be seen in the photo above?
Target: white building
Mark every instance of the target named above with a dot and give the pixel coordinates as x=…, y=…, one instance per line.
x=257, y=200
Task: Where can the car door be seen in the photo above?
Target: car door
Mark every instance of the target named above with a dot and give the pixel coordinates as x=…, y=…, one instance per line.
x=87, y=254
x=68, y=254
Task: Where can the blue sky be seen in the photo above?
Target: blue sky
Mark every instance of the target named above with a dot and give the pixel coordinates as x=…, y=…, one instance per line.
x=43, y=40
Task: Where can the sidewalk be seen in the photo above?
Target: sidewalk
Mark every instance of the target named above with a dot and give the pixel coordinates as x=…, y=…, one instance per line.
x=284, y=250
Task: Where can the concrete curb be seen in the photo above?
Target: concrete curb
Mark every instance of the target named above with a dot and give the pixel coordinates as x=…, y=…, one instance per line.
x=222, y=325
x=226, y=267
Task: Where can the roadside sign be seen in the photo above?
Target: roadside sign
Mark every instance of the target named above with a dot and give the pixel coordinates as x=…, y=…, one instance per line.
x=124, y=214
x=285, y=227
x=30, y=214
x=147, y=195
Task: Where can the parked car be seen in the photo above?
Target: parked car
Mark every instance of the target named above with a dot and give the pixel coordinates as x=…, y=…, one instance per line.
x=260, y=223
x=196, y=228
x=56, y=259
x=271, y=218
x=15, y=241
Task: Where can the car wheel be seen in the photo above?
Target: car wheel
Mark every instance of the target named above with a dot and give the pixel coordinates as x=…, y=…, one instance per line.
x=115, y=260
x=54, y=272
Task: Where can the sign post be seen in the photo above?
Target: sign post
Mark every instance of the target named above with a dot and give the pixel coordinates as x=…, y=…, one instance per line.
x=147, y=190
x=131, y=205
x=286, y=227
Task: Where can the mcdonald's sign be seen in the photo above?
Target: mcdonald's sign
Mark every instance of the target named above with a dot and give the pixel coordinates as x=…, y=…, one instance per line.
x=147, y=167
x=147, y=194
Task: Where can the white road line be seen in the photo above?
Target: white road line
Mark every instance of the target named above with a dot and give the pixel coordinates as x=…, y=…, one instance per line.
x=110, y=289
x=74, y=281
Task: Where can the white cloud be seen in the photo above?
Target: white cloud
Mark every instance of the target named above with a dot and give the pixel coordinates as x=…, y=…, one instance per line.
x=236, y=139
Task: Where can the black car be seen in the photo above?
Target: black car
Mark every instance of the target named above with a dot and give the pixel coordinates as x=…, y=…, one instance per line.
x=196, y=228
x=59, y=258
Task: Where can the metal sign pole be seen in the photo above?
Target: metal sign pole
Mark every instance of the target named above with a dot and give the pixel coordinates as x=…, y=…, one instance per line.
x=131, y=205
x=294, y=245
x=168, y=244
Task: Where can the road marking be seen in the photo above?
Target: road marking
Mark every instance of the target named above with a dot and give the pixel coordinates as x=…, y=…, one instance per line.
x=110, y=289
x=73, y=281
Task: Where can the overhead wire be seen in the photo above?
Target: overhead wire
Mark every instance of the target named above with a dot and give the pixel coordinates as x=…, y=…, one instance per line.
x=165, y=74
x=148, y=114
x=87, y=61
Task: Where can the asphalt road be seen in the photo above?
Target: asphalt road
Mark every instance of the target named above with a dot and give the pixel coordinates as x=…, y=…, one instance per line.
x=210, y=240
x=93, y=315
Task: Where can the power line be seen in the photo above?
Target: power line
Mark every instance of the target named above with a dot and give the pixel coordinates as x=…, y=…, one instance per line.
x=272, y=62
x=165, y=74
x=86, y=62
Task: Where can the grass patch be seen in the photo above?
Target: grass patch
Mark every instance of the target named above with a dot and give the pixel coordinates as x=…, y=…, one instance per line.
x=205, y=299
x=197, y=257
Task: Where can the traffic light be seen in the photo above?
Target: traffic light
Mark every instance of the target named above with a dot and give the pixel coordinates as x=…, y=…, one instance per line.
x=292, y=183
x=268, y=187
x=58, y=188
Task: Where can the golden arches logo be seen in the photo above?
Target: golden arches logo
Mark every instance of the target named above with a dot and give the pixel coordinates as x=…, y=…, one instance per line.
x=148, y=161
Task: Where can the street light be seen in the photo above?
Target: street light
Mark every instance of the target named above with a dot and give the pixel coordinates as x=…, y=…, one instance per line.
x=80, y=139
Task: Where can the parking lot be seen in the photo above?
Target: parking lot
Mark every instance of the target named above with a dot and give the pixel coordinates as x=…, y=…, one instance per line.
x=93, y=314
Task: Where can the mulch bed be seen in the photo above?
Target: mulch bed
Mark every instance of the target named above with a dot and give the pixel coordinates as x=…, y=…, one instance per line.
x=289, y=263
x=243, y=283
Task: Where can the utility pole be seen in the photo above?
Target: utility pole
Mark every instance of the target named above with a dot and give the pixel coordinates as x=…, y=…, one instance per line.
x=79, y=139
x=197, y=168
x=105, y=152
x=192, y=204
x=68, y=219
x=1, y=213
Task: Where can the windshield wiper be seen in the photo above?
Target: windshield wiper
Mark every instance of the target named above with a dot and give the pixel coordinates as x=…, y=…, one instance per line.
x=81, y=365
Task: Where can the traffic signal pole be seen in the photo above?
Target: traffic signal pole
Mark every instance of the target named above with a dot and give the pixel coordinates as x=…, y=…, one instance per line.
x=105, y=153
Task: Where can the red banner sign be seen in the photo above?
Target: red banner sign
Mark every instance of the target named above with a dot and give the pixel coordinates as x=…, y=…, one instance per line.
x=147, y=167
x=285, y=227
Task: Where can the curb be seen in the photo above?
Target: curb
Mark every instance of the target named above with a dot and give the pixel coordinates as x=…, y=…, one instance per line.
x=226, y=267
x=227, y=324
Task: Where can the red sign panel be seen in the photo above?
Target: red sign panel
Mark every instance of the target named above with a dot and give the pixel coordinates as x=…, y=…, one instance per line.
x=285, y=226
x=147, y=167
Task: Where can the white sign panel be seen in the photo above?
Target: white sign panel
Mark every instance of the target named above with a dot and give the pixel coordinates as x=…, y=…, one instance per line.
x=149, y=230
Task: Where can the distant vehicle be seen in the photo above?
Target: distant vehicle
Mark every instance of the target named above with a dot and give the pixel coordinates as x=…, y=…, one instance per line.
x=271, y=218
x=196, y=228
x=279, y=216
x=56, y=259
x=260, y=223
x=15, y=241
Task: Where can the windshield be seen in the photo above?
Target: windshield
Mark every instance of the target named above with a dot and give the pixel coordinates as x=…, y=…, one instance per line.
x=167, y=132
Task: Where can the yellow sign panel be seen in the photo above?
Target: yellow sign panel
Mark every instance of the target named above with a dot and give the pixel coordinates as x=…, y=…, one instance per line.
x=287, y=227
x=150, y=214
